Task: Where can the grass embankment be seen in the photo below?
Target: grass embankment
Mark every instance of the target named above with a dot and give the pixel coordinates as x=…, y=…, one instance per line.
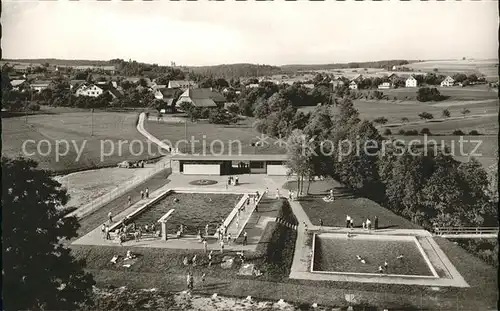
x=346, y=203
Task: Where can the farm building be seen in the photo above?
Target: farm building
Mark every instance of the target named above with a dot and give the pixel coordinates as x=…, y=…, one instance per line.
x=208, y=98
x=40, y=85
x=411, y=82
x=88, y=89
x=252, y=86
x=448, y=81
x=270, y=164
x=181, y=84
x=18, y=84
x=385, y=85
x=353, y=85
x=165, y=94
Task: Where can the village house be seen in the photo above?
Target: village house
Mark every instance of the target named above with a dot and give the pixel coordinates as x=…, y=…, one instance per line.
x=353, y=85
x=89, y=89
x=384, y=86
x=252, y=86
x=309, y=85
x=75, y=83
x=393, y=78
x=181, y=84
x=337, y=81
x=21, y=68
x=165, y=94
x=411, y=82
x=40, y=85
x=19, y=84
x=205, y=98
x=448, y=81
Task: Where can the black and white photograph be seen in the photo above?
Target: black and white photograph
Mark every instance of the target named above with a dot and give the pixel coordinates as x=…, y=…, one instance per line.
x=250, y=155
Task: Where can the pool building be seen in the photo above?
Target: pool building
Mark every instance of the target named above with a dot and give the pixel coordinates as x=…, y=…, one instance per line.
x=270, y=164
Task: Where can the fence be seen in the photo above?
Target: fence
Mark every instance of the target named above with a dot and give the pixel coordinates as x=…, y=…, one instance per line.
x=465, y=230
x=120, y=190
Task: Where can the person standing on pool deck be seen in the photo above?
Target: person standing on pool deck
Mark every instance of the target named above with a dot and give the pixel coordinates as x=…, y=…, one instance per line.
x=375, y=223
x=110, y=216
x=142, y=194
x=347, y=221
x=321, y=224
x=129, y=199
x=352, y=223
x=245, y=238
x=147, y=193
x=206, y=230
x=277, y=193
x=205, y=245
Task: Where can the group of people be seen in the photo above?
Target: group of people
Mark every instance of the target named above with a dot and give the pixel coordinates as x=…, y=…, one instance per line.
x=330, y=197
x=382, y=268
x=367, y=224
x=232, y=181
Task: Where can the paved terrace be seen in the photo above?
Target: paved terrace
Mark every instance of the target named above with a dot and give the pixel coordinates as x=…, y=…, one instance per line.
x=256, y=221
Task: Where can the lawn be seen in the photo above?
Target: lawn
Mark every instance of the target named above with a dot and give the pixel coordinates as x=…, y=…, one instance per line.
x=75, y=128
x=193, y=211
x=479, y=92
x=206, y=137
x=339, y=255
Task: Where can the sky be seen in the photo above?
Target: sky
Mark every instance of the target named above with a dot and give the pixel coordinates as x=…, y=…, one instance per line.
x=276, y=33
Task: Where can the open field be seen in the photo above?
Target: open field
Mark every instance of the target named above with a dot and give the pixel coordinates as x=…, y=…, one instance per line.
x=487, y=146
x=478, y=92
x=86, y=186
x=339, y=255
x=201, y=131
x=76, y=129
x=484, y=125
x=193, y=211
x=394, y=110
x=489, y=68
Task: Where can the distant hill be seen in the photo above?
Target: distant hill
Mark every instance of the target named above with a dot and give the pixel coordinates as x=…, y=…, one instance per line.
x=229, y=71
x=375, y=64
x=55, y=61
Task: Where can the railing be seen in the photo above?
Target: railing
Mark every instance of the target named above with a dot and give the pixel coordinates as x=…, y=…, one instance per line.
x=465, y=230
x=123, y=188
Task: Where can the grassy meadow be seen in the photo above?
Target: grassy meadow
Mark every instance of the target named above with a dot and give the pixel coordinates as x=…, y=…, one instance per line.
x=76, y=129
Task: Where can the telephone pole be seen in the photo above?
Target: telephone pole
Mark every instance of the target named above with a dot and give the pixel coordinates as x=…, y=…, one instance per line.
x=92, y=123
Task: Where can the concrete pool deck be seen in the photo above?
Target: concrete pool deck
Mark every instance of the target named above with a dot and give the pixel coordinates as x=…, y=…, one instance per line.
x=255, y=227
x=301, y=265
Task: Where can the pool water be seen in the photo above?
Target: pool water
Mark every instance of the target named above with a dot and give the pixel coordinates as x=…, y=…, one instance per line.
x=192, y=210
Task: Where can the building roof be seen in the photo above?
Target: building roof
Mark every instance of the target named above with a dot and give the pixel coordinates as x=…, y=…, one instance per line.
x=115, y=93
x=40, y=82
x=180, y=83
x=203, y=97
x=17, y=82
x=166, y=92
x=230, y=157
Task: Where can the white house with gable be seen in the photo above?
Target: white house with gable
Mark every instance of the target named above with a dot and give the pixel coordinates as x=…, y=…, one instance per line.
x=448, y=81
x=353, y=85
x=88, y=89
x=411, y=82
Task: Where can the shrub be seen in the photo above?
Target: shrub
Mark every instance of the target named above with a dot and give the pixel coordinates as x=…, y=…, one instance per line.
x=401, y=132
x=425, y=94
x=426, y=116
x=388, y=132
x=474, y=132
x=458, y=132
x=425, y=131
x=34, y=107
x=411, y=133
x=380, y=120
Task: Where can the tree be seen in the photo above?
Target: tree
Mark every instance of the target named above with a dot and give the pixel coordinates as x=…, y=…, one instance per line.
x=404, y=120
x=425, y=116
x=38, y=271
x=235, y=109
x=464, y=112
x=387, y=132
x=299, y=157
x=446, y=113
x=425, y=94
x=380, y=120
